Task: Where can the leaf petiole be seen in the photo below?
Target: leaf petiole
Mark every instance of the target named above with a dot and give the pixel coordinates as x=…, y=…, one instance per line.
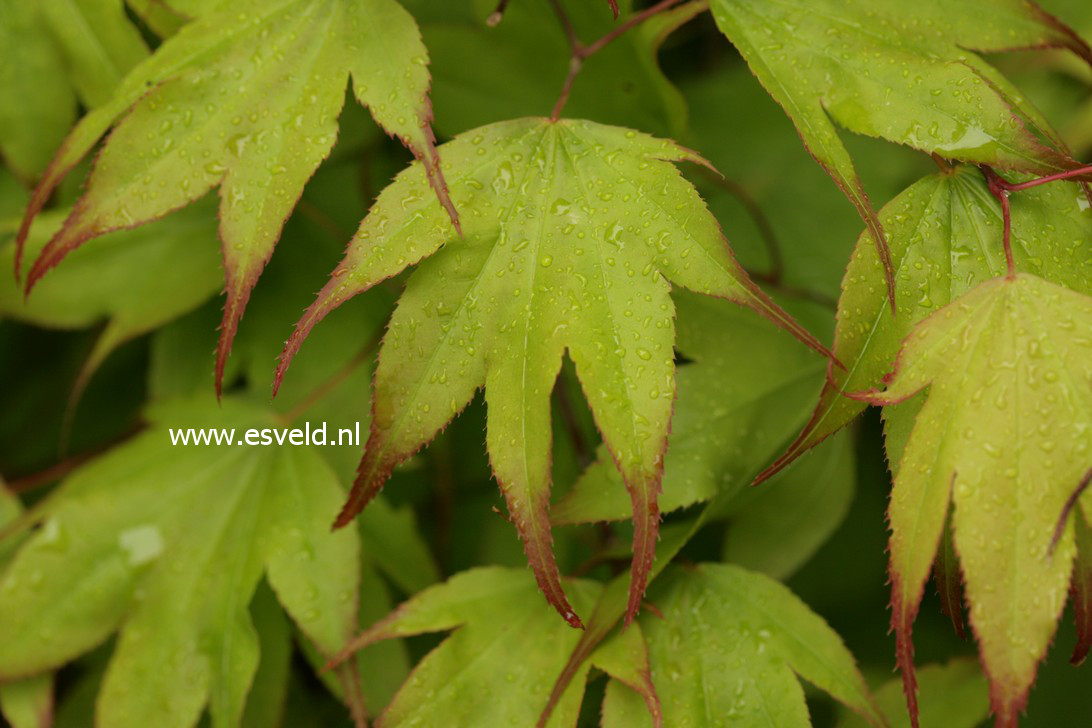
x=580, y=52
x=1001, y=188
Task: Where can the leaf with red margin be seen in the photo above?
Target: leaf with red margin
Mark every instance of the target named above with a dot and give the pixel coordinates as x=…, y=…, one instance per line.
x=611, y=609
x=733, y=643
x=916, y=80
x=949, y=581
x=614, y=8
x=732, y=413
x=1002, y=434
x=1081, y=589
x=245, y=98
x=573, y=231
x=945, y=236
x=625, y=659
x=503, y=635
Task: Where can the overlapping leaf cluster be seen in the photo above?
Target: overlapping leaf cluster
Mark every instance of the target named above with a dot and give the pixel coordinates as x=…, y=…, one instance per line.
x=569, y=269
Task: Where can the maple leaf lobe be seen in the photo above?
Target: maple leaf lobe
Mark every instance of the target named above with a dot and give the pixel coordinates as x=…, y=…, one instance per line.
x=572, y=234
x=1002, y=437
x=244, y=98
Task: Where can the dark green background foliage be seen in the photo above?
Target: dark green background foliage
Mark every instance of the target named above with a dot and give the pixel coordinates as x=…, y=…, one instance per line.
x=235, y=592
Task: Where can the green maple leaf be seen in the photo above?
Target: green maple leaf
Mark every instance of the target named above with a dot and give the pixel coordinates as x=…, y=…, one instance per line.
x=731, y=415
x=572, y=233
x=1003, y=437
x=245, y=98
x=55, y=52
x=729, y=650
x=503, y=636
x=732, y=412
x=914, y=79
x=168, y=544
x=946, y=237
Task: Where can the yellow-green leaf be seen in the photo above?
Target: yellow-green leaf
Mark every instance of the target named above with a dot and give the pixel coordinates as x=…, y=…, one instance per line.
x=573, y=233
x=1004, y=436
x=498, y=665
x=732, y=412
x=914, y=78
x=245, y=98
x=730, y=649
x=945, y=232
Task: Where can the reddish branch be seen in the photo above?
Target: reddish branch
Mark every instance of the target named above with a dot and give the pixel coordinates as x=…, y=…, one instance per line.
x=335, y=380
x=497, y=15
x=1070, y=174
x=581, y=52
x=1001, y=192
x=1070, y=504
x=774, y=277
x=759, y=218
x=59, y=470
x=1001, y=188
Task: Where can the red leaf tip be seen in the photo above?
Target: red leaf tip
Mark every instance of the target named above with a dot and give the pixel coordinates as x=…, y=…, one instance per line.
x=532, y=521
x=372, y=475
x=646, y=528
x=902, y=623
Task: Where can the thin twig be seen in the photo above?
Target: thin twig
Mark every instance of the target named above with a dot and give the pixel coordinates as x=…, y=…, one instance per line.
x=497, y=15
x=999, y=190
x=59, y=470
x=1070, y=504
x=575, y=64
x=632, y=22
x=761, y=221
x=315, y=214
x=1017, y=186
x=567, y=25
x=581, y=52
x=330, y=384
